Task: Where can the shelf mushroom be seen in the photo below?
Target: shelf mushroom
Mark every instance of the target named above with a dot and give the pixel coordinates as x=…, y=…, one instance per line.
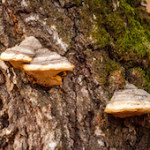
x=129, y=102
x=22, y=53
x=42, y=65
x=46, y=66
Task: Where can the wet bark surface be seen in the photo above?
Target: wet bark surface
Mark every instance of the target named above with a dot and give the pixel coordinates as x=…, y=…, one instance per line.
x=70, y=116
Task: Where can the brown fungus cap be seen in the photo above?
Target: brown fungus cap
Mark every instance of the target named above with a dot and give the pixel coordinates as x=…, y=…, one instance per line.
x=39, y=63
x=129, y=102
x=46, y=65
x=22, y=53
x=18, y=55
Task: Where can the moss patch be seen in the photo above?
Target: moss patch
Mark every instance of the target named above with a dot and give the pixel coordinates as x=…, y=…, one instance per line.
x=121, y=25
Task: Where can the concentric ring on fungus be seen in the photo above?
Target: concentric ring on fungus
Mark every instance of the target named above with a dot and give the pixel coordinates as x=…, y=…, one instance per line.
x=129, y=102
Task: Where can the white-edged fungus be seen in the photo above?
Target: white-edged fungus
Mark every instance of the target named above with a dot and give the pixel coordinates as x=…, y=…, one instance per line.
x=22, y=53
x=129, y=102
x=42, y=65
x=18, y=55
x=45, y=66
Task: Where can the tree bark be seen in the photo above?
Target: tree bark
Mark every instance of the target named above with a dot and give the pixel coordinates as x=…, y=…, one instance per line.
x=70, y=116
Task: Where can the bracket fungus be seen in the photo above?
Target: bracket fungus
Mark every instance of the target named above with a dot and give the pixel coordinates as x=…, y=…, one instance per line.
x=129, y=102
x=39, y=63
x=46, y=65
x=22, y=53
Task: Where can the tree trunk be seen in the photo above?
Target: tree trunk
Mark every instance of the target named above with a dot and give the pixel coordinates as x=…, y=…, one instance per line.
x=71, y=116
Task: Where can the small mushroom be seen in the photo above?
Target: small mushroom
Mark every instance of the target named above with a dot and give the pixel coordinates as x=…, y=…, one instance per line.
x=46, y=66
x=22, y=53
x=129, y=102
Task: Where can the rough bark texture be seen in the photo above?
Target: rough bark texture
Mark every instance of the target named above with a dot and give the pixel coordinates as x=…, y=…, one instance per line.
x=69, y=116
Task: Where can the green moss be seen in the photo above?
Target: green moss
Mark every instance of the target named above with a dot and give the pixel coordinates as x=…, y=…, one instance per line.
x=121, y=27
x=101, y=36
x=126, y=30
x=116, y=25
x=134, y=41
